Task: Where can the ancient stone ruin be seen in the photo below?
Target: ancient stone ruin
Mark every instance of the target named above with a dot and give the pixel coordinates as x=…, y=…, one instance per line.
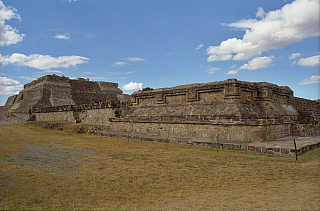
x=53, y=91
x=231, y=109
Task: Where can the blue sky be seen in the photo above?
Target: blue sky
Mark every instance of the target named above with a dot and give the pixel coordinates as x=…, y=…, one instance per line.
x=161, y=43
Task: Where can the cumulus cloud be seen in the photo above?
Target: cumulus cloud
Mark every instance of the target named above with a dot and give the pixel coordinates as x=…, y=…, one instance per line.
x=9, y=86
x=62, y=36
x=315, y=79
x=260, y=13
x=132, y=86
x=199, y=47
x=309, y=61
x=119, y=64
x=134, y=59
x=254, y=64
x=295, y=55
x=272, y=30
x=8, y=34
x=213, y=70
x=43, y=62
x=258, y=63
x=232, y=72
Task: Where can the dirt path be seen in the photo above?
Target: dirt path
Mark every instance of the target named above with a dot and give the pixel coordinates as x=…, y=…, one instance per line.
x=48, y=158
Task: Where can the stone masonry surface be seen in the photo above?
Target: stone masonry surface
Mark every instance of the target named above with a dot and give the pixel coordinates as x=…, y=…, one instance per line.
x=53, y=90
x=283, y=146
x=233, y=110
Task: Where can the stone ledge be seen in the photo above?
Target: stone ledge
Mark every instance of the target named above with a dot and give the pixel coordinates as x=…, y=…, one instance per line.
x=210, y=143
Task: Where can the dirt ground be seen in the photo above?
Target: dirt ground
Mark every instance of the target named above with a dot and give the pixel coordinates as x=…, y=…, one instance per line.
x=47, y=158
x=43, y=169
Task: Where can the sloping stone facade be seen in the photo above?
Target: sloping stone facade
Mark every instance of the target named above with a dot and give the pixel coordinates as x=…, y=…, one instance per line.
x=233, y=110
x=53, y=90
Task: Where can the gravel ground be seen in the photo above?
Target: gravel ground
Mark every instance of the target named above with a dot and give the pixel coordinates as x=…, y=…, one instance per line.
x=48, y=158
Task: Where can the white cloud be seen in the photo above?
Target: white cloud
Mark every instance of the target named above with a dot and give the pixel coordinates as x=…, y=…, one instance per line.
x=53, y=71
x=132, y=86
x=213, y=70
x=135, y=59
x=27, y=78
x=97, y=78
x=315, y=79
x=62, y=36
x=9, y=86
x=260, y=13
x=8, y=34
x=295, y=55
x=233, y=66
x=258, y=63
x=254, y=64
x=43, y=62
x=309, y=61
x=219, y=58
x=232, y=72
x=90, y=73
x=272, y=30
x=90, y=35
x=199, y=47
x=119, y=64
x=126, y=73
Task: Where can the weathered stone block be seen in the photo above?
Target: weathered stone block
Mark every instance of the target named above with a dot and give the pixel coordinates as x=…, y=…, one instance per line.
x=264, y=149
x=269, y=150
x=251, y=148
x=285, y=151
x=243, y=147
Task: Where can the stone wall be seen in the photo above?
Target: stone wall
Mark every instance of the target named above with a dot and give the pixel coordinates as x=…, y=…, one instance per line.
x=306, y=130
x=55, y=116
x=234, y=110
x=11, y=100
x=94, y=113
x=91, y=117
x=53, y=90
x=309, y=110
x=234, y=132
x=96, y=116
x=231, y=100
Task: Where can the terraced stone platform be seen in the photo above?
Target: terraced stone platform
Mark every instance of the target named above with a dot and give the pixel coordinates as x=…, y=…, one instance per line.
x=283, y=146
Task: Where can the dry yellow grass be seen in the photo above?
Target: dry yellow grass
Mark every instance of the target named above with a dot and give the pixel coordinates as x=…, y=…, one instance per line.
x=147, y=176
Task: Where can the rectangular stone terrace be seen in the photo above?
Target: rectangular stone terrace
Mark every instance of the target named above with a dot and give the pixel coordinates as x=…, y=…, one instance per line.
x=281, y=146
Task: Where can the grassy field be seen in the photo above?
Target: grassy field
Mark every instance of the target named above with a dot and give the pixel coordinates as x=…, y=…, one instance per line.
x=52, y=169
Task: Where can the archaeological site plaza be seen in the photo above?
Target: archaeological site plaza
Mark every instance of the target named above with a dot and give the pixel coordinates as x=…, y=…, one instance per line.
x=234, y=114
